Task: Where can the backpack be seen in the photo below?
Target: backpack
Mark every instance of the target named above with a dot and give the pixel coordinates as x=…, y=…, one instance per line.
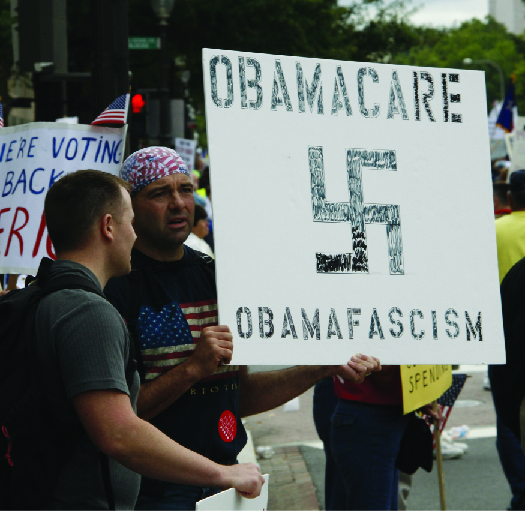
x=34, y=444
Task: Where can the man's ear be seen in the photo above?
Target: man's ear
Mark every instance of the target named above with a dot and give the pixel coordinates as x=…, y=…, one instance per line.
x=107, y=226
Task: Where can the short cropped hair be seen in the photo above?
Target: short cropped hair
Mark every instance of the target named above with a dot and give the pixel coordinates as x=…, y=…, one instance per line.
x=76, y=201
x=518, y=200
x=500, y=190
x=199, y=214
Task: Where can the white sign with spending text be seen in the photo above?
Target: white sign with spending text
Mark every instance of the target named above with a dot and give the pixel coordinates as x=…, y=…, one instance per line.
x=32, y=157
x=353, y=212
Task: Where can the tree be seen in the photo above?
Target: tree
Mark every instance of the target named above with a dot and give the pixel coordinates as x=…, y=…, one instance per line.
x=6, y=46
x=475, y=39
x=366, y=30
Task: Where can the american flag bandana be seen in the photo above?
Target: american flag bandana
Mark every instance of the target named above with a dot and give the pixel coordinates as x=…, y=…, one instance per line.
x=147, y=165
x=116, y=113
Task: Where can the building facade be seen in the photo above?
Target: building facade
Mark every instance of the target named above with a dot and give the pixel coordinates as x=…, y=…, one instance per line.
x=509, y=12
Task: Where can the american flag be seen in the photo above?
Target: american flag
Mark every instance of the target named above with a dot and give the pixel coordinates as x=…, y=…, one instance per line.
x=1, y=117
x=116, y=113
x=447, y=400
x=169, y=337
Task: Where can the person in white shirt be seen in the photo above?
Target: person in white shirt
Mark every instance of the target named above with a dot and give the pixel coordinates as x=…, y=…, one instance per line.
x=201, y=228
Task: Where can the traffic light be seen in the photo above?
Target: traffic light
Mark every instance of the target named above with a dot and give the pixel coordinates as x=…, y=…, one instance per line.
x=137, y=123
x=137, y=103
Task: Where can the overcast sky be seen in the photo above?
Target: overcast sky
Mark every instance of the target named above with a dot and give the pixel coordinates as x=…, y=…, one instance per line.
x=448, y=12
x=445, y=12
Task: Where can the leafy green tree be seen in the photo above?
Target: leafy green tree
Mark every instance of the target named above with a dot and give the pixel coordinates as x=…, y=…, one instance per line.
x=366, y=30
x=475, y=39
x=6, y=46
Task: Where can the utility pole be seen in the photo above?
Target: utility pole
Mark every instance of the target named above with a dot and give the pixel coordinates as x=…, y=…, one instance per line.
x=162, y=10
x=110, y=63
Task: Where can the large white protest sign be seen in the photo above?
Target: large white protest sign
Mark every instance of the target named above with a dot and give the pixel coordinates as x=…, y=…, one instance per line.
x=353, y=211
x=32, y=157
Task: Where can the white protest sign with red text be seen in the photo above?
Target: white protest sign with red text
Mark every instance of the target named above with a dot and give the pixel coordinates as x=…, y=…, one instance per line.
x=32, y=157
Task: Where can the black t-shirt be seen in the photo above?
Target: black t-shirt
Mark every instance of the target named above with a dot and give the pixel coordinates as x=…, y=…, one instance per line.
x=179, y=300
x=507, y=382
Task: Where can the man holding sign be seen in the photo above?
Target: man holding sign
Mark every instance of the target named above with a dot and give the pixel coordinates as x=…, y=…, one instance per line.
x=84, y=345
x=188, y=389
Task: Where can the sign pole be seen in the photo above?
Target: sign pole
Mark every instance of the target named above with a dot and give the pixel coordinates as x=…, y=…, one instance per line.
x=439, y=459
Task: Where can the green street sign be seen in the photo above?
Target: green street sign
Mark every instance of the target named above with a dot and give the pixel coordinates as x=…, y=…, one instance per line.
x=144, y=43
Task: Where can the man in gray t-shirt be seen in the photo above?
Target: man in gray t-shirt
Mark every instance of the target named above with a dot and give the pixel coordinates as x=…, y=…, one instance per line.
x=83, y=344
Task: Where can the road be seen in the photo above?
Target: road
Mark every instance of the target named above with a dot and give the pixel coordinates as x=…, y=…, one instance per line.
x=475, y=481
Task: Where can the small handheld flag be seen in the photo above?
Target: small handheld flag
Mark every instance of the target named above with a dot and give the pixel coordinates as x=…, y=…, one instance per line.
x=1, y=115
x=116, y=113
x=447, y=401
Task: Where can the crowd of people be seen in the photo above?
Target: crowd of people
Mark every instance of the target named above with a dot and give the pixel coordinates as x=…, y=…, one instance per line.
x=176, y=420
x=350, y=418
x=143, y=367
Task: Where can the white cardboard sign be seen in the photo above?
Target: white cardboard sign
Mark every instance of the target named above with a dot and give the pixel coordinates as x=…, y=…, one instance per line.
x=353, y=211
x=232, y=500
x=32, y=157
x=186, y=150
x=517, y=146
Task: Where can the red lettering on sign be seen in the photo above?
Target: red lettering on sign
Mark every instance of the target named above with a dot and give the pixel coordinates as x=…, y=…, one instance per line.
x=49, y=248
x=39, y=235
x=49, y=245
x=16, y=232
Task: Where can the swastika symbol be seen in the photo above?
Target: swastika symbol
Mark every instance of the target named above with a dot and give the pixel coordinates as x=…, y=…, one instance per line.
x=355, y=211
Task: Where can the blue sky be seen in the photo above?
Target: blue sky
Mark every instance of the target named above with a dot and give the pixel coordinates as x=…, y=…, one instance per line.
x=445, y=12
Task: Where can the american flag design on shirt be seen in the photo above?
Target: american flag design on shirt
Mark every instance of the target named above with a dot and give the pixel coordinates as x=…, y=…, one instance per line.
x=169, y=337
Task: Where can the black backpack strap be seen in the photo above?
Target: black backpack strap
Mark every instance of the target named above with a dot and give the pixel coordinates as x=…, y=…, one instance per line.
x=70, y=282
x=44, y=268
